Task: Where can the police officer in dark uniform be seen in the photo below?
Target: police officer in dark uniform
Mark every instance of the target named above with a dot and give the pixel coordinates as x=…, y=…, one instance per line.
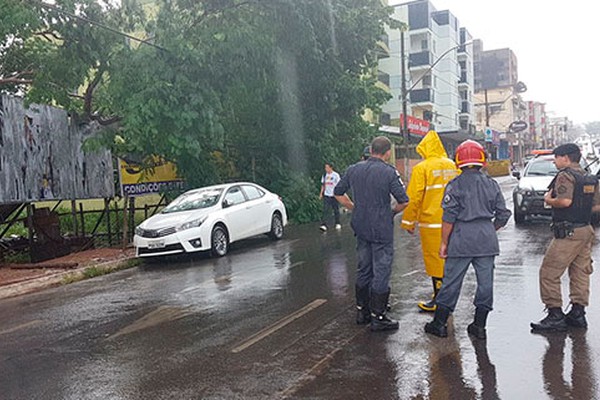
x=573, y=196
x=372, y=181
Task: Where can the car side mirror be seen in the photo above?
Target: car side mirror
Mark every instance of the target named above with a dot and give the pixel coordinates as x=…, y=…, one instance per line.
x=517, y=174
x=226, y=203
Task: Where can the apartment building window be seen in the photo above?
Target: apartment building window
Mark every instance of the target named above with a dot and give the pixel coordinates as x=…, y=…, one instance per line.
x=424, y=44
x=427, y=81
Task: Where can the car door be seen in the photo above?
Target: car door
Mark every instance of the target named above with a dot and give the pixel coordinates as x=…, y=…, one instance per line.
x=237, y=217
x=259, y=209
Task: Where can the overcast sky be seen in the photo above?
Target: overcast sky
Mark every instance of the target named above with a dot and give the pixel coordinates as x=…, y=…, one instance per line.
x=556, y=44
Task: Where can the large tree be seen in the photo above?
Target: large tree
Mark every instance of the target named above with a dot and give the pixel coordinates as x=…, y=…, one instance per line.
x=228, y=89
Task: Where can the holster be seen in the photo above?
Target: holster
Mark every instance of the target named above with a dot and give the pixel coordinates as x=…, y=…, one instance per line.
x=562, y=229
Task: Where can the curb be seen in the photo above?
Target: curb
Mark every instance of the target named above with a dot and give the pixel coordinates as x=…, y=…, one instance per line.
x=57, y=279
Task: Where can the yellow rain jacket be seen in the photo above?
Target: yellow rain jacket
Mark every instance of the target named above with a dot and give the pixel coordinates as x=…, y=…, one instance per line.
x=425, y=191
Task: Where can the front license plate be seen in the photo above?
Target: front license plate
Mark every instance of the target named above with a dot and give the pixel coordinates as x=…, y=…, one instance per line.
x=156, y=245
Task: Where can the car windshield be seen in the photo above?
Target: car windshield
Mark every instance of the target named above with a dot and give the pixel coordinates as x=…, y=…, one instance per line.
x=541, y=167
x=194, y=200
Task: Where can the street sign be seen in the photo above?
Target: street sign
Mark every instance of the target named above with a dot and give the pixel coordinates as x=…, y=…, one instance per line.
x=517, y=126
x=488, y=135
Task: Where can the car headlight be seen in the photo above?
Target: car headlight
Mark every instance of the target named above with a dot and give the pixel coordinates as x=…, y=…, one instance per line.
x=192, y=224
x=138, y=231
x=526, y=192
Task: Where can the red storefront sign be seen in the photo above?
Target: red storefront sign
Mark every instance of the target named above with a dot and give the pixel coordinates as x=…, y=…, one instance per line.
x=416, y=126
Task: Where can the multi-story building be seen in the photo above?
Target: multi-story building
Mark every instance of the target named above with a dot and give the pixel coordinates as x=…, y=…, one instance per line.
x=494, y=68
x=439, y=74
x=498, y=101
x=538, y=127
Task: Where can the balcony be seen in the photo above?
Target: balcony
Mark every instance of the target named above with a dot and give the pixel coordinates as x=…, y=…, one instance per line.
x=465, y=107
x=421, y=59
x=422, y=96
x=383, y=78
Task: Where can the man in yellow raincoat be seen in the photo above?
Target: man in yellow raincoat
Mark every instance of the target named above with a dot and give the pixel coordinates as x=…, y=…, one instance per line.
x=425, y=191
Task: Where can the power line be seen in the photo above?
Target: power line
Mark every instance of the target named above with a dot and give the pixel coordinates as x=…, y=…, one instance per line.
x=98, y=24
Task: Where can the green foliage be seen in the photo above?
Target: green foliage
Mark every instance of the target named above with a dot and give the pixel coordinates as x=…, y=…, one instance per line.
x=259, y=90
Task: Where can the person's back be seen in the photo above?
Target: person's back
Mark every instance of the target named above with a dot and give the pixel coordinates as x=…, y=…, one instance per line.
x=372, y=181
x=472, y=199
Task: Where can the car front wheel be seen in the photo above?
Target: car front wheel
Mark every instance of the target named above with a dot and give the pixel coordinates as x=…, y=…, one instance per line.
x=219, y=241
x=276, y=232
x=519, y=217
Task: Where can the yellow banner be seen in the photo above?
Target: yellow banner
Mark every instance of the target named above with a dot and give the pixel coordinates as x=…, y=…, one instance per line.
x=158, y=176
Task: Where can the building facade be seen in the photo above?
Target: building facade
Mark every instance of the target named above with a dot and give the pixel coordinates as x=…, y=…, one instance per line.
x=439, y=71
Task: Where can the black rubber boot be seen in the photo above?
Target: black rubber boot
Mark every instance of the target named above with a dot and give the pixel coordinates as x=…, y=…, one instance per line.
x=363, y=313
x=430, y=305
x=576, y=317
x=477, y=327
x=380, y=321
x=555, y=321
x=438, y=326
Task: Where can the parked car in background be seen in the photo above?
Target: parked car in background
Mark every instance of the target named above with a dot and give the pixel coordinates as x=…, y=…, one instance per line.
x=211, y=218
x=528, y=195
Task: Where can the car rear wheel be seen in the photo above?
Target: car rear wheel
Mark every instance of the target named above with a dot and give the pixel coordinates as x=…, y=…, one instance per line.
x=276, y=232
x=219, y=241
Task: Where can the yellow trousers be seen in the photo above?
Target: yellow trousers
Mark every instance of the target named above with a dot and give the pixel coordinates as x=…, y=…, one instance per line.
x=431, y=239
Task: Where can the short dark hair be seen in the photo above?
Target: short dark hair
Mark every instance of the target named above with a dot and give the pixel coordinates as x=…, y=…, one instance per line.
x=570, y=150
x=380, y=145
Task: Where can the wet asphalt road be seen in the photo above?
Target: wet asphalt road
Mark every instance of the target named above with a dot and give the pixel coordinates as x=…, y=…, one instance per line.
x=275, y=320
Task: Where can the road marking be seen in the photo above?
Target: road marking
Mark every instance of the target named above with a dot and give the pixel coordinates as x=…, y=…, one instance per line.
x=317, y=369
x=22, y=326
x=410, y=273
x=260, y=335
x=160, y=315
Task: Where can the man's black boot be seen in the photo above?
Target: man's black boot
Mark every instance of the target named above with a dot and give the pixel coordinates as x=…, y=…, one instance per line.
x=380, y=321
x=555, y=321
x=438, y=326
x=363, y=313
x=576, y=316
x=477, y=327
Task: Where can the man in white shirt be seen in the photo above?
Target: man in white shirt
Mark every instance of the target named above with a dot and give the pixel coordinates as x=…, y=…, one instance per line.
x=328, y=182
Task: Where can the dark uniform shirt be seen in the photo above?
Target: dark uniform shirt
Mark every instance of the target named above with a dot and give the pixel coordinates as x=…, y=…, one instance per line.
x=473, y=202
x=372, y=181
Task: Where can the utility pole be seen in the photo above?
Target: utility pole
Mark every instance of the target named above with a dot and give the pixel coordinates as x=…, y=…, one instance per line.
x=404, y=127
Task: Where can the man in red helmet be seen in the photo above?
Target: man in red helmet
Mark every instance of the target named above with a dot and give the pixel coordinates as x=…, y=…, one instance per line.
x=474, y=209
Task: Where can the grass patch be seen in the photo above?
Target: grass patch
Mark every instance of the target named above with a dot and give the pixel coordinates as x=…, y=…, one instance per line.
x=94, y=271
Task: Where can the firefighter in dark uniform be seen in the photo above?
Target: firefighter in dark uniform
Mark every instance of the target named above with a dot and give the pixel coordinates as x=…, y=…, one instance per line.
x=474, y=209
x=372, y=182
x=573, y=196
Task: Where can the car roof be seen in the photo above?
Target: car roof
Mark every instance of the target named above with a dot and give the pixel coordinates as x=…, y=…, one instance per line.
x=225, y=186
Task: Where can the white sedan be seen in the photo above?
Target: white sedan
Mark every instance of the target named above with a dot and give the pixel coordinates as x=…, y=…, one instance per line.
x=211, y=218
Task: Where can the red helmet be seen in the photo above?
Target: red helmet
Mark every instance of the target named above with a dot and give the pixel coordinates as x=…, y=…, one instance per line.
x=469, y=153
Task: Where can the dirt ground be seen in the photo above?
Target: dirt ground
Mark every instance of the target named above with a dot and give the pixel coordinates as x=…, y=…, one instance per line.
x=13, y=273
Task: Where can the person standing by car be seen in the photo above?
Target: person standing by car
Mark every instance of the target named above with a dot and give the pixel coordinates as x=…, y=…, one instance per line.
x=474, y=209
x=372, y=182
x=426, y=190
x=573, y=196
x=328, y=182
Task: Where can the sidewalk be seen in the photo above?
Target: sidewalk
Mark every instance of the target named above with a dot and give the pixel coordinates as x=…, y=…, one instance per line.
x=15, y=280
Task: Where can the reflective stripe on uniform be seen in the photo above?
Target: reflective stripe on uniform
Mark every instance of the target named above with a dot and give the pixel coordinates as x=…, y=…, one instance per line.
x=438, y=186
x=408, y=222
x=422, y=225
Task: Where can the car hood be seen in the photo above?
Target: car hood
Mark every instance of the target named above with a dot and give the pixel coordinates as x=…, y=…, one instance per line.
x=536, y=183
x=159, y=221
